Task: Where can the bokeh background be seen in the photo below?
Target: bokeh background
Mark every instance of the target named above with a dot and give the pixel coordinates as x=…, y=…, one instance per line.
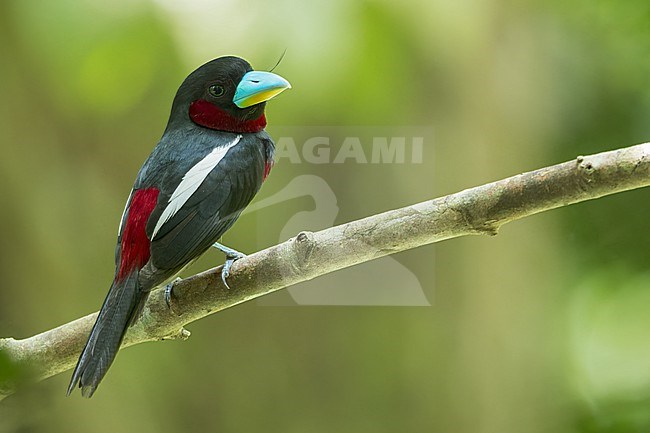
x=543, y=328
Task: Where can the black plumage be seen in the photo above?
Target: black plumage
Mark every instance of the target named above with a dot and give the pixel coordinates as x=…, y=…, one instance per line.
x=207, y=167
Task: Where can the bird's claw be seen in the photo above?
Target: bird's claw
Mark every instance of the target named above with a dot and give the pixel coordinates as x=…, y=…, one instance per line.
x=231, y=257
x=169, y=288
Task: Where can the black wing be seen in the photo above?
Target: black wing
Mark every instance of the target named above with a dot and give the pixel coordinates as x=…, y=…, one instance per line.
x=212, y=209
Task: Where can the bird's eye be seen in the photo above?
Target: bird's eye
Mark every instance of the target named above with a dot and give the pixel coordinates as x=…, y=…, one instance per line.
x=216, y=90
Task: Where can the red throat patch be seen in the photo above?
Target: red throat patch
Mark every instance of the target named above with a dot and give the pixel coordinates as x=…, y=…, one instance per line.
x=135, y=243
x=209, y=115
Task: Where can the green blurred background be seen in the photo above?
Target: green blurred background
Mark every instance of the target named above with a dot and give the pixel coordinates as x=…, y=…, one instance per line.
x=543, y=328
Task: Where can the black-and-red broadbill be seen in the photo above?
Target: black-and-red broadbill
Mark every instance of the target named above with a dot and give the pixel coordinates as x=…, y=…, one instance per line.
x=209, y=163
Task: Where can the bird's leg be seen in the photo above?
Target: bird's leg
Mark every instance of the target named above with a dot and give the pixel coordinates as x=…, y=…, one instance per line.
x=168, y=292
x=231, y=256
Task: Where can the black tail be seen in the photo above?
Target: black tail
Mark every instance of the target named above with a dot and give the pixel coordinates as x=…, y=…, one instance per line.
x=120, y=306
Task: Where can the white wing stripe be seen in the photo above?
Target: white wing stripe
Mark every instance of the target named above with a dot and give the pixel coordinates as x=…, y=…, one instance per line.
x=191, y=182
x=126, y=206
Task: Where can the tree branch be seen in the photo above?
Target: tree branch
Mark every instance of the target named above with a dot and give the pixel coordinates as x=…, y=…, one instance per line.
x=479, y=210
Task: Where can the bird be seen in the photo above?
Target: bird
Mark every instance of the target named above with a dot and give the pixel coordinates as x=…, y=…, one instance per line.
x=210, y=162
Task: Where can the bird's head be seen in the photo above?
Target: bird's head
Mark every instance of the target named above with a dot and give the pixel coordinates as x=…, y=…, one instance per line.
x=226, y=94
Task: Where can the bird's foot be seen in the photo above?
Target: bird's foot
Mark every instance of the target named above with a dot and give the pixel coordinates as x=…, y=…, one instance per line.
x=169, y=288
x=231, y=257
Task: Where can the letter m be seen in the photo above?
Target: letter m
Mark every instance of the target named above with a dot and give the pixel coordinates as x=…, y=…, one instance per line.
x=386, y=152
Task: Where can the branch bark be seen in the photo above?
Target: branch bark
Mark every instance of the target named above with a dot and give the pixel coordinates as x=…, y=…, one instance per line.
x=479, y=210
